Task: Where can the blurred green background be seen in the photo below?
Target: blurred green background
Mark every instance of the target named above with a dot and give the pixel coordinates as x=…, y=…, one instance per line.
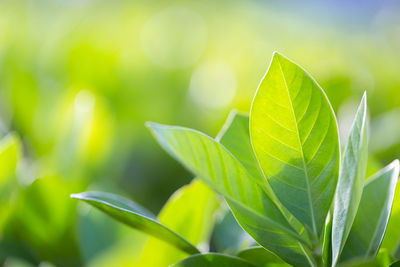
x=78, y=79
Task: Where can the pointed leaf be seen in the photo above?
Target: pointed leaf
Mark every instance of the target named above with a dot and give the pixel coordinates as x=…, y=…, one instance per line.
x=190, y=212
x=213, y=260
x=135, y=216
x=235, y=136
x=252, y=207
x=295, y=138
x=370, y=223
x=351, y=180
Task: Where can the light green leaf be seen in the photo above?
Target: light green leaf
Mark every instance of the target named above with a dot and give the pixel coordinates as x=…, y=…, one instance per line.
x=190, y=212
x=9, y=154
x=351, y=180
x=135, y=216
x=252, y=207
x=261, y=257
x=370, y=223
x=295, y=138
x=235, y=136
x=10, y=149
x=213, y=260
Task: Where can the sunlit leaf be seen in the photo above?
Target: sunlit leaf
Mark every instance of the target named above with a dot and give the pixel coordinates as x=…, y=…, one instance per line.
x=295, y=138
x=213, y=260
x=370, y=223
x=135, y=216
x=190, y=212
x=351, y=180
x=252, y=207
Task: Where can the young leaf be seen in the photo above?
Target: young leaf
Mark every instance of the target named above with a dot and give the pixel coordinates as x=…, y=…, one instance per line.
x=261, y=257
x=235, y=136
x=190, y=212
x=351, y=180
x=213, y=260
x=135, y=216
x=252, y=207
x=295, y=138
x=370, y=223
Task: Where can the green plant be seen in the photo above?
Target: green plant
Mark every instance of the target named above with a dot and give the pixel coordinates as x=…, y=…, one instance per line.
x=281, y=173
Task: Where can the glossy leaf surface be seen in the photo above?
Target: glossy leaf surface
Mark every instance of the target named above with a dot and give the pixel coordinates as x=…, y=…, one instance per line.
x=370, y=223
x=351, y=180
x=295, y=138
x=213, y=260
x=135, y=216
x=252, y=207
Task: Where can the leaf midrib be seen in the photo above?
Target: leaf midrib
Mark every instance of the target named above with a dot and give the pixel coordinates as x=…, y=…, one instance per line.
x=301, y=152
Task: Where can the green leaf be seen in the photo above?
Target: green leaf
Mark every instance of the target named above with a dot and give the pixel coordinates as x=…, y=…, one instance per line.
x=261, y=257
x=10, y=149
x=351, y=180
x=372, y=217
x=213, y=260
x=135, y=216
x=9, y=154
x=252, y=207
x=392, y=235
x=295, y=138
x=190, y=212
x=228, y=236
x=235, y=136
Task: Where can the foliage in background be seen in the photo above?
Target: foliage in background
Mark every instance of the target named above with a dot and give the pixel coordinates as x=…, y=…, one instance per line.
x=278, y=171
x=79, y=78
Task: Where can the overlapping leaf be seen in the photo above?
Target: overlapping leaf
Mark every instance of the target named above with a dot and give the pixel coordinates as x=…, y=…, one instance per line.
x=370, y=223
x=190, y=212
x=261, y=257
x=235, y=136
x=351, y=180
x=252, y=207
x=135, y=216
x=294, y=135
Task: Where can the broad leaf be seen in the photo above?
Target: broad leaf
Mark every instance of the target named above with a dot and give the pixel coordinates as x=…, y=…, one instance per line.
x=295, y=138
x=190, y=212
x=135, y=216
x=351, y=180
x=370, y=223
x=261, y=257
x=213, y=260
x=252, y=207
